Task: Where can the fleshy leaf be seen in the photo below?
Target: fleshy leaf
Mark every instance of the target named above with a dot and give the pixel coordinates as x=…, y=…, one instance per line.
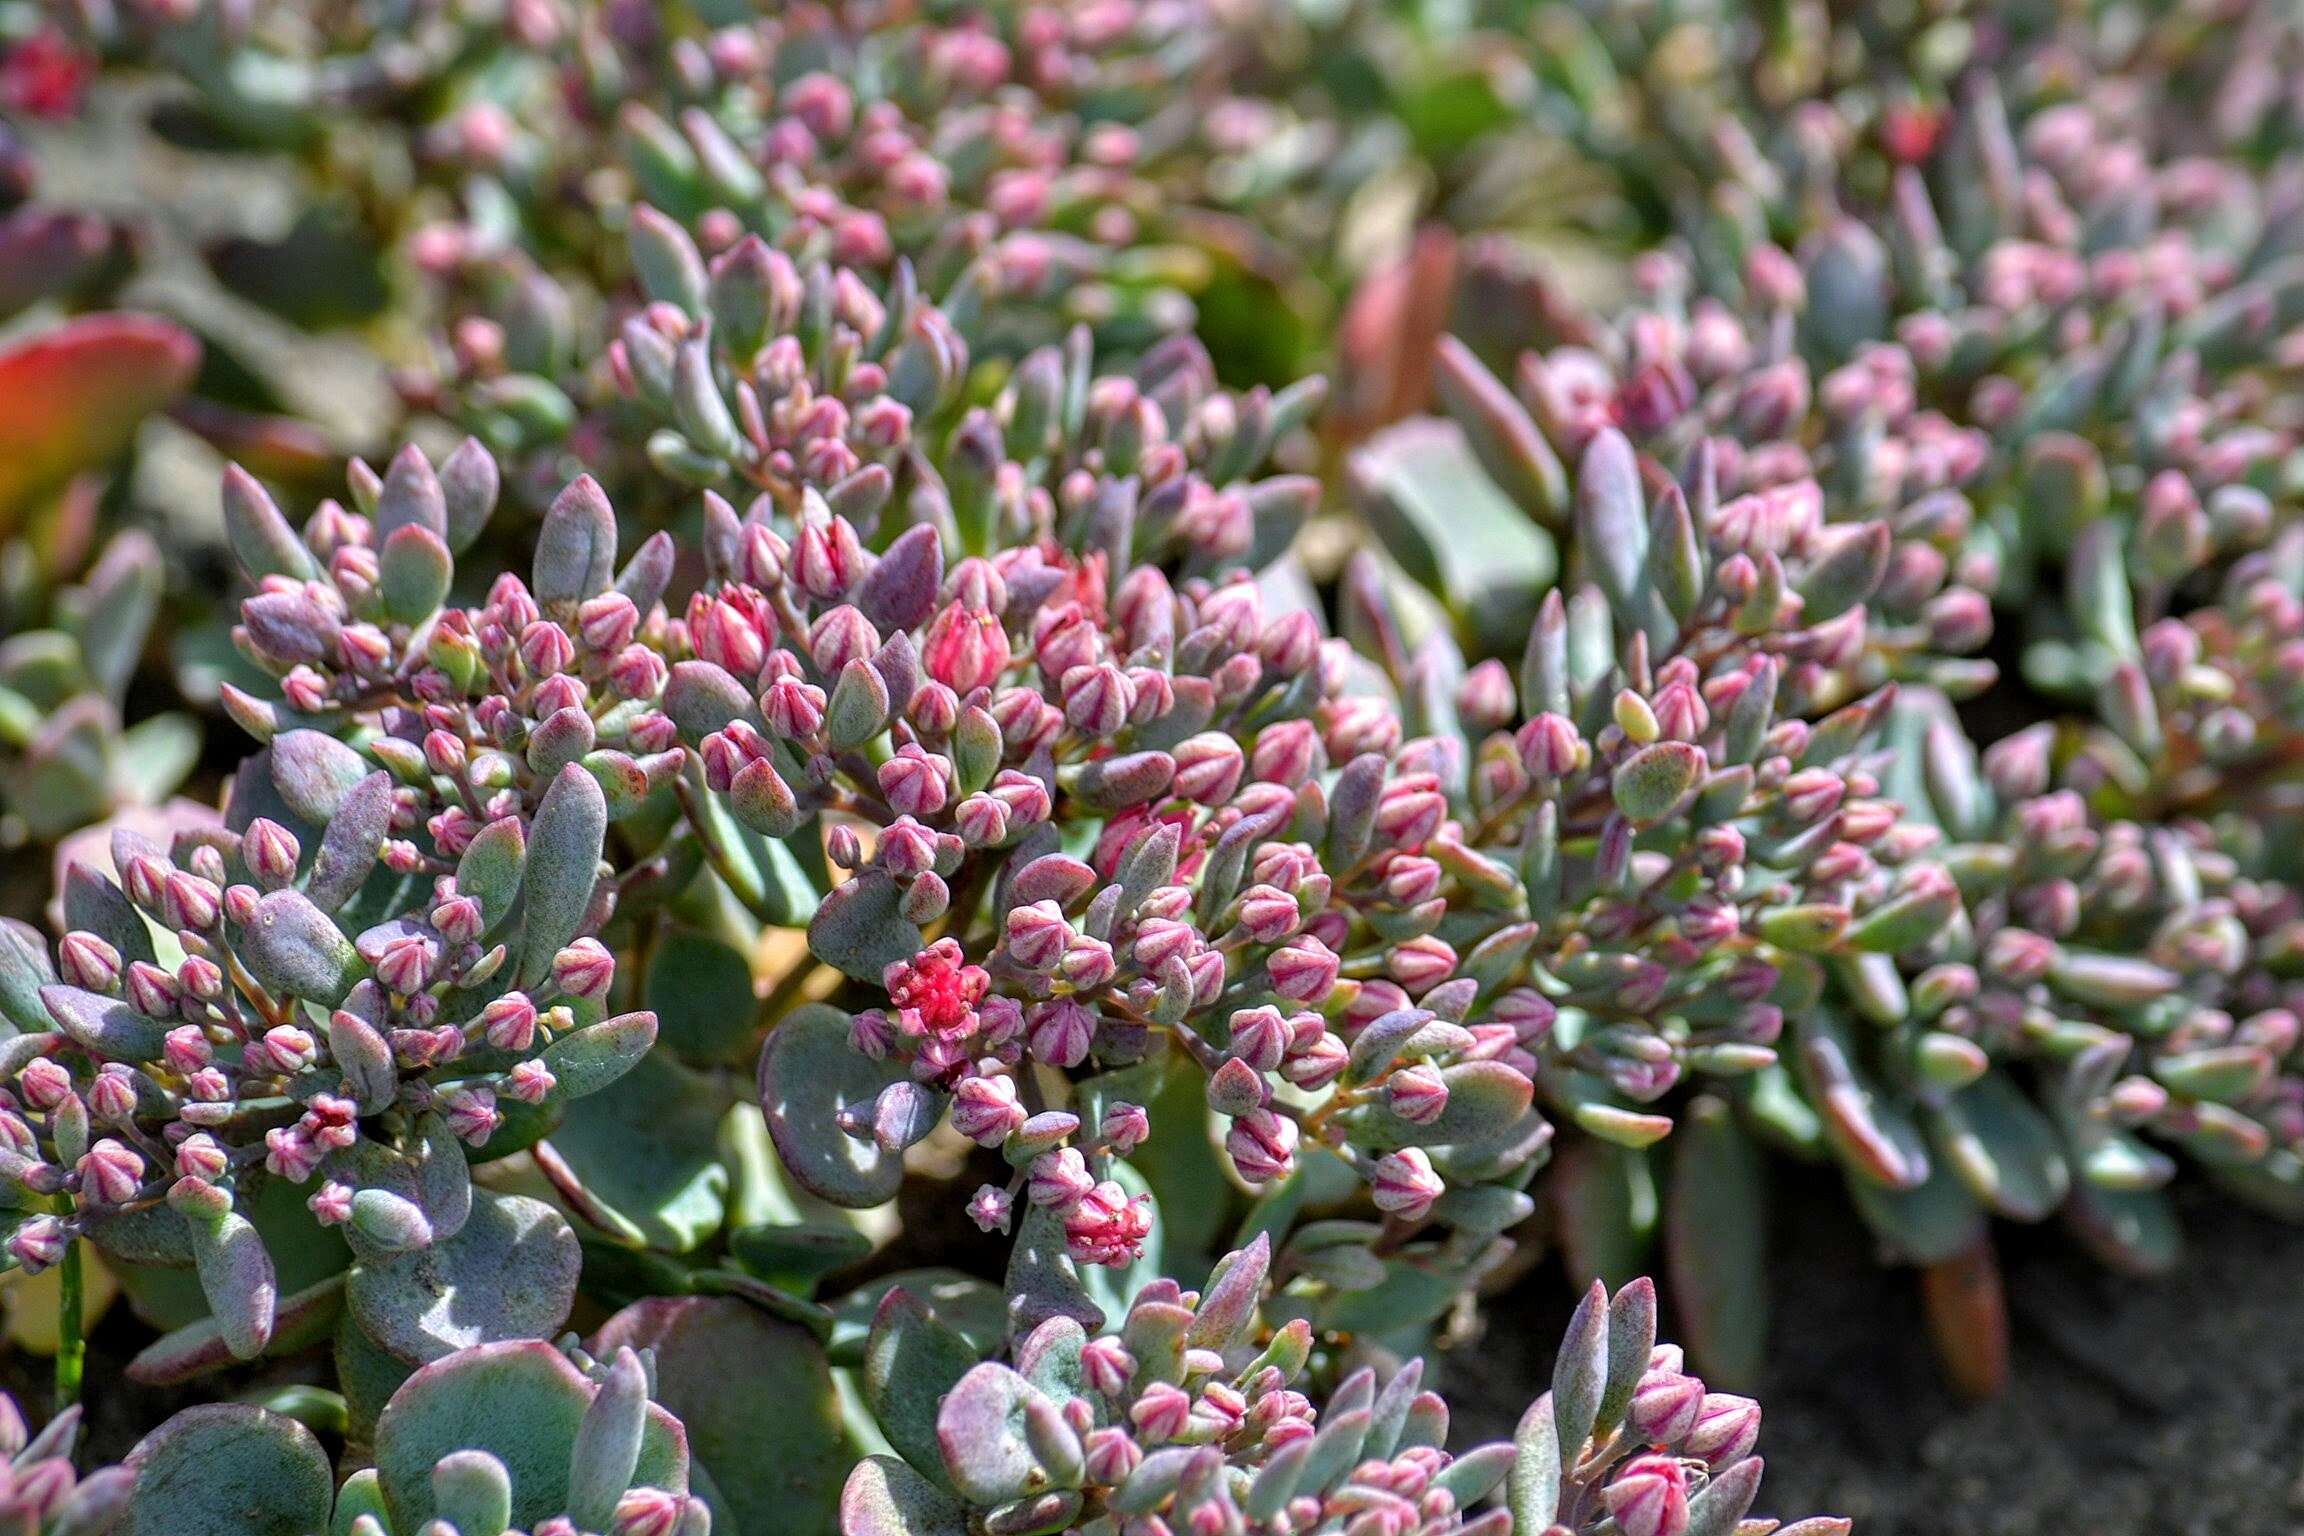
x=564, y=843
x=911, y=1361
x=73, y=397
x=718, y=1362
x=809, y=1073
x=980, y=1428
x=521, y=1401
x=229, y=1469
x=509, y=1274
x=884, y=1497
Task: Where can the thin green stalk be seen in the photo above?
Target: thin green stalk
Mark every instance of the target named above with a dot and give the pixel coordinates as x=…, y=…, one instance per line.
x=71, y=1346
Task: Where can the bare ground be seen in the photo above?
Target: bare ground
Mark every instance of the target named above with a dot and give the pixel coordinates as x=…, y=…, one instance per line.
x=2171, y=1407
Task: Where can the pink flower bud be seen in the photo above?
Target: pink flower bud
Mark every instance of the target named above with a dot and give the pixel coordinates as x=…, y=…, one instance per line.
x=1208, y=767
x=291, y=1153
x=509, y=1022
x=38, y=1244
x=405, y=967
x=44, y=1083
x=647, y=1512
x=1550, y=747
x=1304, y=971
x=1417, y=1094
x=1262, y=1146
x=1409, y=813
x=152, y=991
x=1410, y=880
x=1097, y=699
x=284, y=1049
x=982, y=821
x=189, y=902
x=915, y=782
x=546, y=649
x=1059, y=1178
x=1726, y=1429
x=793, y=709
x=530, y=1082
x=459, y=919
x=144, y=877
x=1111, y=1455
x=840, y=636
x=1124, y=1128
x=110, y=1173
x=1026, y=797
x=1487, y=697
x=1038, y=935
x=1404, y=1184
x=1421, y=963
x=985, y=1110
x=1317, y=1063
x=1059, y=1032
x=471, y=1113
x=331, y=1203
x=640, y=673
x=1664, y=1407
x=965, y=648
x=1160, y=939
x=1106, y=1365
x=185, y=1049
x=1269, y=914
x=872, y=1033
x=607, y=623
x=1286, y=753
x=88, y=962
x=1161, y=1412
x=1087, y=963
x=827, y=558
x=584, y=969
x=1648, y=1496
x=443, y=754
x=305, y=690
x=201, y=1156
x=934, y=710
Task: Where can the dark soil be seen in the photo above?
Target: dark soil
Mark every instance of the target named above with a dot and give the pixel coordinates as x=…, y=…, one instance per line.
x=2170, y=1407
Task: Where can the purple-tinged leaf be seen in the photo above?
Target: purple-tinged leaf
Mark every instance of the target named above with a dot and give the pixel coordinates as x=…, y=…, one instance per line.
x=564, y=843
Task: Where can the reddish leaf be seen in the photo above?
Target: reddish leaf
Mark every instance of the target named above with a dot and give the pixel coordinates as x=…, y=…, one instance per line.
x=72, y=397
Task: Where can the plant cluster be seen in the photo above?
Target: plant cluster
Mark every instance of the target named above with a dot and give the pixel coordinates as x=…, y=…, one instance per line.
x=2042, y=424
x=1014, y=909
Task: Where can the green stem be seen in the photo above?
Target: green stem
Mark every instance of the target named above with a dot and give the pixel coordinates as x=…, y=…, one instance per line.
x=71, y=1347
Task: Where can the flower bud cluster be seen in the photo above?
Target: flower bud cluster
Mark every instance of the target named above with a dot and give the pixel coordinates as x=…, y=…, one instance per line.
x=2043, y=346
x=1029, y=167
x=1675, y=821
x=1195, y=1413
x=1142, y=818
x=327, y=985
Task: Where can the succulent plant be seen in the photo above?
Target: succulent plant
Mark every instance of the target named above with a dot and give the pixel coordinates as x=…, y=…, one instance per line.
x=2046, y=407
x=1196, y=1410
x=1025, y=166
x=1106, y=848
x=971, y=784
x=373, y=970
x=485, y=1441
